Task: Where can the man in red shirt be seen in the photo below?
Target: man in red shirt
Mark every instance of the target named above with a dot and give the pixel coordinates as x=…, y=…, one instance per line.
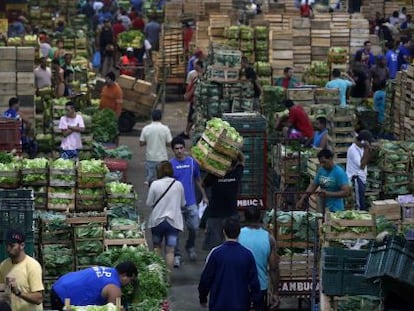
x=298, y=125
x=128, y=63
x=306, y=10
x=138, y=22
x=117, y=28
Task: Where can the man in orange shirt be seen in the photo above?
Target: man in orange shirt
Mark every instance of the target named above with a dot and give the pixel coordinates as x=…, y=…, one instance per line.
x=128, y=63
x=111, y=95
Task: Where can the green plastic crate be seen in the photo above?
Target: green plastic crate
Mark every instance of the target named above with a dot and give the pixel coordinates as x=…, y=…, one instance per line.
x=343, y=273
x=394, y=259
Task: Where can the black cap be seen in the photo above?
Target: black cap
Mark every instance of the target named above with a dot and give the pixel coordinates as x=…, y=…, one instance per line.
x=14, y=236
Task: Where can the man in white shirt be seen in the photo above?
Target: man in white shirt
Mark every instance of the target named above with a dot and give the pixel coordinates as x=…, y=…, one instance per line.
x=72, y=126
x=357, y=158
x=157, y=137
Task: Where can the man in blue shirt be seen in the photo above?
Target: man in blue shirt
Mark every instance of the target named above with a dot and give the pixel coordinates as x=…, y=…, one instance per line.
x=333, y=183
x=230, y=275
x=92, y=286
x=342, y=84
x=187, y=171
x=379, y=102
x=152, y=32
x=391, y=59
x=365, y=56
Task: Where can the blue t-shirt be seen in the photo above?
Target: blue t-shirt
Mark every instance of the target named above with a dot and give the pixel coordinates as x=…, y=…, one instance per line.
x=85, y=287
x=317, y=138
x=379, y=104
x=187, y=172
x=342, y=85
x=257, y=241
x=11, y=114
x=392, y=63
x=332, y=180
x=402, y=52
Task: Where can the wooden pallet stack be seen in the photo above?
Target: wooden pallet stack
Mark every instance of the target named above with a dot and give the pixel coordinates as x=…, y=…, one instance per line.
x=359, y=32
x=173, y=11
x=320, y=36
x=409, y=99
x=301, y=44
x=278, y=21
x=370, y=7
x=201, y=35
x=390, y=7
x=218, y=24
x=281, y=54
x=398, y=117
x=193, y=8
x=339, y=30
x=171, y=54
x=61, y=191
x=341, y=133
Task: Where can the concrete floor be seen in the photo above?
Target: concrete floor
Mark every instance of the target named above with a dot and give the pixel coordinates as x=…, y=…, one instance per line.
x=183, y=293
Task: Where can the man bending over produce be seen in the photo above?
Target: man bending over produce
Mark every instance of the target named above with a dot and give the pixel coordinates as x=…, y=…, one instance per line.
x=333, y=183
x=92, y=286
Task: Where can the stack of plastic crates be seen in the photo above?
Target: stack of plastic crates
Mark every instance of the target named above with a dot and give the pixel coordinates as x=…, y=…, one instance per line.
x=16, y=212
x=393, y=259
x=252, y=126
x=10, y=133
x=343, y=273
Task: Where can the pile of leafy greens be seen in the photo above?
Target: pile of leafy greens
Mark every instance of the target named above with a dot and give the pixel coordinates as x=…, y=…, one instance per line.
x=9, y=167
x=64, y=169
x=92, y=172
x=120, y=152
x=104, y=126
x=352, y=215
x=57, y=259
x=152, y=277
x=34, y=170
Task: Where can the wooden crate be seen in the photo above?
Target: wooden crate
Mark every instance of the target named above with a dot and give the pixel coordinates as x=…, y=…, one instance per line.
x=55, y=181
x=7, y=53
x=390, y=209
x=25, y=53
x=68, y=207
x=297, y=265
x=330, y=234
x=301, y=94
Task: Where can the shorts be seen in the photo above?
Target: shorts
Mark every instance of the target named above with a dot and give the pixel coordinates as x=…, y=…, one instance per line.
x=164, y=230
x=69, y=154
x=191, y=111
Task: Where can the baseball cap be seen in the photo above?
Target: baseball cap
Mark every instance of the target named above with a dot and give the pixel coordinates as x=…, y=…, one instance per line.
x=365, y=135
x=14, y=236
x=129, y=49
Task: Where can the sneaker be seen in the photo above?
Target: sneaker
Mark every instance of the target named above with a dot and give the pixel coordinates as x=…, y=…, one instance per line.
x=177, y=261
x=192, y=254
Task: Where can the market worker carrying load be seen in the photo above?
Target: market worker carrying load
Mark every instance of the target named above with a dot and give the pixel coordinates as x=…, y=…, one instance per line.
x=92, y=286
x=332, y=181
x=111, y=95
x=128, y=63
x=298, y=124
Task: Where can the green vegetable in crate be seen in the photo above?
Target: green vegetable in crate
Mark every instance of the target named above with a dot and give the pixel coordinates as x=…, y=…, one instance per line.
x=57, y=259
x=63, y=191
x=9, y=176
x=104, y=126
x=92, y=230
x=216, y=124
x=232, y=32
x=5, y=157
x=92, y=167
x=263, y=69
x=131, y=38
x=37, y=163
x=246, y=32
x=107, y=307
x=119, y=188
x=352, y=215
x=90, y=246
x=261, y=32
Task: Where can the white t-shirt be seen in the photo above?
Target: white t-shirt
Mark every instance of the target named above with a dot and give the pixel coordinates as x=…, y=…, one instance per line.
x=43, y=77
x=157, y=136
x=353, y=163
x=191, y=75
x=73, y=141
x=169, y=207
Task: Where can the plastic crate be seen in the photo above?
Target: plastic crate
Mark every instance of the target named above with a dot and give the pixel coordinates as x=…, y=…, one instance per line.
x=343, y=273
x=16, y=210
x=246, y=121
x=394, y=259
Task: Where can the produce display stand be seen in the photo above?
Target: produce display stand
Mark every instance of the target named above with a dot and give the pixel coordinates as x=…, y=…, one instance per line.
x=298, y=272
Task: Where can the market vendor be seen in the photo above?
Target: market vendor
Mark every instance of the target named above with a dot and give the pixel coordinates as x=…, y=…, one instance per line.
x=92, y=286
x=72, y=126
x=332, y=181
x=111, y=95
x=298, y=125
x=288, y=81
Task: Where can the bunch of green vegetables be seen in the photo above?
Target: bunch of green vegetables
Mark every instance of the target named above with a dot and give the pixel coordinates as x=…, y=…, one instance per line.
x=90, y=196
x=152, y=278
x=300, y=225
x=199, y=155
x=123, y=228
x=34, y=170
x=261, y=32
x=57, y=258
x=351, y=215
x=92, y=171
x=131, y=38
x=120, y=193
x=63, y=167
x=91, y=230
x=104, y=126
x=54, y=227
x=217, y=124
x=60, y=190
x=120, y=152
x=9, y=170
x=107, y=307
x=263, y=68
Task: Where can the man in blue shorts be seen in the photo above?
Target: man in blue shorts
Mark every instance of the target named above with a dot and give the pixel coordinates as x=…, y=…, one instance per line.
x=187, y=171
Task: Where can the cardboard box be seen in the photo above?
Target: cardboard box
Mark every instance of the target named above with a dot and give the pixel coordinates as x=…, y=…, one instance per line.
x=143, y=87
